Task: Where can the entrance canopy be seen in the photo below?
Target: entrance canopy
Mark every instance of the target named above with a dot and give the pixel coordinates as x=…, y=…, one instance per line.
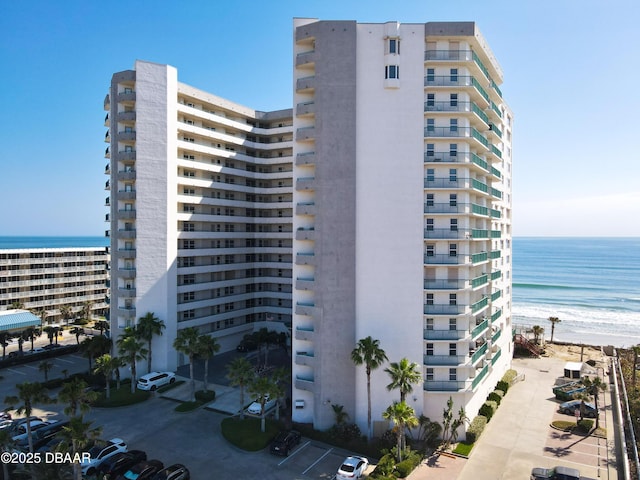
x=18, y=320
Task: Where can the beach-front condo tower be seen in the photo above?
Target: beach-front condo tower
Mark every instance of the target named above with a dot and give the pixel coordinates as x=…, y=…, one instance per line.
x=199, y=193
x=402, y=220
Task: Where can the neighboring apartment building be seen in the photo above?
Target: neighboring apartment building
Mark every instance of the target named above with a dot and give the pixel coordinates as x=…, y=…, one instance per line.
x=200, y=197
x=42, y=280
x=402, y=174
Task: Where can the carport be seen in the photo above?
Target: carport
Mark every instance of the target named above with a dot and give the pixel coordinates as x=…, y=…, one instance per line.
x=18, y=320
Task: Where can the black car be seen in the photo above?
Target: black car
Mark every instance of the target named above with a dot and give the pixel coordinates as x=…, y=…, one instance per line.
x=174, y=472
x=143, y=470
x=121, y=462
x=285, y=441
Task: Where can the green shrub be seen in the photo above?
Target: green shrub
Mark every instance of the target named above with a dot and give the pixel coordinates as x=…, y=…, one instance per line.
x=502, y=386
x=246, y=434
x=385, y=467
x=476, y=428
x=205, y=397
x=509, y=376
x=487, y=409
x=345, y=431
x=584, y=425
x=496, y=396
x=408, y=465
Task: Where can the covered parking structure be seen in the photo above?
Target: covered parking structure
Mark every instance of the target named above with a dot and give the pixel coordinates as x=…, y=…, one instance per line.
x=13, y=321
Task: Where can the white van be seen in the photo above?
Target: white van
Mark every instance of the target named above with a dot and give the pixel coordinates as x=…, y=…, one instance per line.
x=151, y=381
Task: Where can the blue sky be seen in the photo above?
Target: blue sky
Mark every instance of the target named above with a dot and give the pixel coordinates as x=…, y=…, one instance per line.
x=570, y=71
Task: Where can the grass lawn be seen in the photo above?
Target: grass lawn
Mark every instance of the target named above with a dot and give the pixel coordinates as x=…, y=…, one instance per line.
x=122, y=397
x=463, y=449
x=246, y=434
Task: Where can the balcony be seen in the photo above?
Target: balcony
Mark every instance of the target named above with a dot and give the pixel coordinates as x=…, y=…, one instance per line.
x=496, y=315
x=107, y=102
x=127, y=136
x=107, y=169
x=107, y=152
x=107, y=202
x=307, y=59
x=305, y=283
x=479, y=353
x=107, y=217
x=126, y=233
x=496, y=130
x=495, y=337
x=107, y=185
x=129, y=116
x=302, y=383
x=444, y=259
x=447, y=182
x=127, y=312
x=496, y=295
x=306, y=234
x=450, y=335
x=305, y=183
x=445, y=284
x=444, y=360
x=496, y=356
x=107, y=137
x=127, y=292
x=127, y=155
x=444, y=386
x=479, y=377
x=495, y=254
x=446, y=233
x=305, y=134
x=306, y=84
x=450, y=207
x=305, y=109
x=306, y=208
x=448, y=55
x=496, y=274
x=479, y=258
x=305, y=259
x=304, y=333
x=480, y=329
x=305, y=308
x=126, y=214
x=439, y=309
x=127, y=195
x=305, y=358
x=306, y=158
x=126, y=96
x=479, y=281
x=127, y=252
x=127, y=272
x=479, y=305
x=127, y=174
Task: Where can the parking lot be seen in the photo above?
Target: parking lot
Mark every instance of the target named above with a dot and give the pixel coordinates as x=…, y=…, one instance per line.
x=193, y=439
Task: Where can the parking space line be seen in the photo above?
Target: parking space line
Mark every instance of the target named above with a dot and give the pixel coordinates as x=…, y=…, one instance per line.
x=31, y=367
x=308, y=442
x=15, y=371
x=65, y=361
x=318, y=460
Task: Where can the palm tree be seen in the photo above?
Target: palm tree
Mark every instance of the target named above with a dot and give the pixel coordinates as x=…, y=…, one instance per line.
x=80, y=434
x=31, y=334
x=537, y=332
x=207, y=348
x=102, y=326
x=264, y=388
x=4, y=341
x=553, y=321
x=403, y=375
x=51, y=333
x=87, y=307
x=403, y=416
x=106, y=365
x=240, y=374
x=6, y=446
x=66, y=312
x=77, y=396
x=17, y=305
x=132, y=351
x=594, y=387
x=148, y=327
x=341, y=415
x=369, y=354
x=77, y=331
x=29, y=394
x=45, y=366
x=584, y=397
x=187, y=342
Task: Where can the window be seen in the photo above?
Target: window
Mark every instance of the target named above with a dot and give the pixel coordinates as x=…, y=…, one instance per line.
x=453, y=125
x=429, y=375
x=431, y=100
x=453, y=224
x=391, y=71
x=452, y=349
x=430, y=224
x=189, y=173
x=429, y=324
x=429, y=300
x=187, y=262
x=453, y=199
x=188, y=244
x=453, y=149
x=431, y=250
x=188, y=279
x=188, y=208
x=453, y=324
x=188, y=296
x=431, y=125
x=453, y=175
x=453, y=375
x=429, y=199
x=188, y=191
x=188, y=227
x=394, y=45
x=430, y=150
x=429, y=349
x=453, y=75
x=453, y=249
x=431, y=174
x=453, y=299
x=187, y=314
x=431, y=74
x=453, y=100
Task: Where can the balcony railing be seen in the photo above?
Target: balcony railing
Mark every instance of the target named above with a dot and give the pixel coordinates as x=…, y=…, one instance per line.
x=479, y=305
x=444, y=334
x=496, y=336
x=495, y=275
x=445, y=284
x=430, y=207
x=477, y=355
x=439, y=309
x=447, y=182
x=495, y=254
x=444, y=259
x=480, y=377
x=446, y=55
x=479, y=281
x=451, y=360
x=444, y=385
x=480, y=328
x=479, y=257
x=496, y=295
x=446, y=233
x=496, y=356
x=455, y=106
x=455, y=132
x=496, y=315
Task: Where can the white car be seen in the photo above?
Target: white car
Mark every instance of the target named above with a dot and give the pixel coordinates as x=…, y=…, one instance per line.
x=352, y=467
x=256, y=409
x=151, y=381
x=20, y=432
x=100, y=452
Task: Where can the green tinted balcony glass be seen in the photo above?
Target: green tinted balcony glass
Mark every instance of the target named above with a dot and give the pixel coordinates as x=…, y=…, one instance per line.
x=478, y=111
x=476, y=307
x=496, y=275
x=496, y=151
x=480, y=90
x=496, y=336
x=496, y=234
x=478, y=62
x=479, y=257
x=495, y=108
x=496, y=193
x=496, y=295
x=479, y=281
x=481, y=138
x=479, y=328
x=479, y=209
x=478, y=185
x=495, y=254
x=496, y=356
x=479, y=377
x=496, y=315
x=496, y=172
x=495, y=87
x=479, y=353
x=478, y=161
x=495, y=129
x=477, y=233
x=495, y=213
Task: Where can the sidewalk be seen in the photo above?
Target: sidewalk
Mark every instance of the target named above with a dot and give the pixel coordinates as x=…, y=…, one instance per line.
x=227, y=398
x=516, y=439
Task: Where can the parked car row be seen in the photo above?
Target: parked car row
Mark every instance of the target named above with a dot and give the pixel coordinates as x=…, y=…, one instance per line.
x=557, y=473
x=570, y=408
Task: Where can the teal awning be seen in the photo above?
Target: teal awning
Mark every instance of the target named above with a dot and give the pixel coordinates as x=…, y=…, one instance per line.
x=12, y=320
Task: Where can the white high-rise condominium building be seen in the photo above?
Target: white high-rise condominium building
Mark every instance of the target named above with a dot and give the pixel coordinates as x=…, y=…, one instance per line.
x=402, y=188
x=200, y=197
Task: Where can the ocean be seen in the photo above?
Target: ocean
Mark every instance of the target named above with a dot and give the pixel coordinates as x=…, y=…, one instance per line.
x=591, y=284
